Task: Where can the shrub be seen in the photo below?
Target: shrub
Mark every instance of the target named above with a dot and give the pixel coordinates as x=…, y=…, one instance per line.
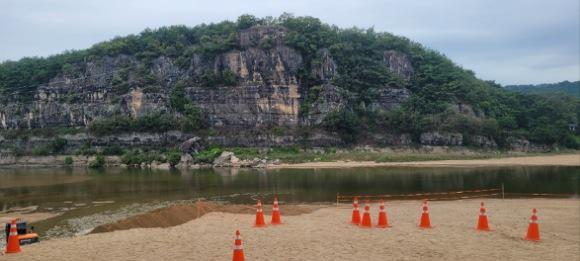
x=245, y=153
x=193, y=119
x=136, y=158
x=113, y=150
x=56, y=146
x=99, y=162
x=294, y=149
x=279, y=131
x=154, y=122
x=212, y=79
x=173, y=157
x=132, y=158
x=207, y=156
x=345, y=123
x=68, y=160
x=41, y=150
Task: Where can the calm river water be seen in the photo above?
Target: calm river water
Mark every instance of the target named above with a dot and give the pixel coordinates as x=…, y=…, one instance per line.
x=52, y=187
x=91, y=197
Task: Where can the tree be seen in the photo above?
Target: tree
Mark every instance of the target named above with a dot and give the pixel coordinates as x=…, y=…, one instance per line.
x=246, y=21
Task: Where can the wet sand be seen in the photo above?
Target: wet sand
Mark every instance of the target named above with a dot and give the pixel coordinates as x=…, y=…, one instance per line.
x=551, y=160
x=28, y=217
x=326, y=234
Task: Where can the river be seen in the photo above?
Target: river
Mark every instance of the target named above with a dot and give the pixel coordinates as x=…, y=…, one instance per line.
x=97, y=196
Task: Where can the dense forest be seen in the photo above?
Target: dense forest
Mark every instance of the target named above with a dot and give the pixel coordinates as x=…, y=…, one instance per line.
x=565, y=87
x=438, y=86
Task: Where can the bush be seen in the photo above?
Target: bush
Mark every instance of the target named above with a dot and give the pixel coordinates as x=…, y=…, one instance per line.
x=154, y=122
x=295, y=149
x=113, y=150
x=245, y=153
x=132, y=158
x=99, y=162
x=136, y=158
x=57, y=146
x=68, y=160
x=193, y=119
x=345, y=123
x=41, y=150
x=173, y=157
x=207, y=156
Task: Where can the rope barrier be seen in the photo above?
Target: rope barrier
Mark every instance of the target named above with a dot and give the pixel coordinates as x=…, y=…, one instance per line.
x=344, y=198
x=542, y=195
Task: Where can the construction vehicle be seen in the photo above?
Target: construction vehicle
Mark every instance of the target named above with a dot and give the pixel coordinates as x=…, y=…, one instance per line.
x=25, y=236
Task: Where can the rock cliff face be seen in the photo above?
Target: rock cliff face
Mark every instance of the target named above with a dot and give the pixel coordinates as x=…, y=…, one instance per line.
x=399, y=64
x=280, y=82
x=268, y=91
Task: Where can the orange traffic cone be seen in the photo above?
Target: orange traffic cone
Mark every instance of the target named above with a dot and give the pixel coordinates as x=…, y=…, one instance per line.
x=355, y=212
x=533, y=228
x=482, y=224
x=259, y=215
x=383, y=220
x=238, y=249
x=276, y=213
x=366, y=219
x=13, y=245
x=425, y=221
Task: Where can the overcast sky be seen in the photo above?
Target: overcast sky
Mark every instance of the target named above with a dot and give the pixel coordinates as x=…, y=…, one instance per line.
x=509, y=41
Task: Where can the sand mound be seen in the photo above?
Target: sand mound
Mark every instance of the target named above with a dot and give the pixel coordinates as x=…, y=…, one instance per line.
x=179, y=214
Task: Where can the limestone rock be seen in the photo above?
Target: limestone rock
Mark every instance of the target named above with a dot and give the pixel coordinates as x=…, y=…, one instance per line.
x=399, y=64
x=482, y=141
x=226, y=159
x=192, y=145
x=327, y=67
x=186, y=160
x=441, y=139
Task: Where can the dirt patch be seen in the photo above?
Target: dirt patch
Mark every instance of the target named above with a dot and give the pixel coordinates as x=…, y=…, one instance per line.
x=179, y=214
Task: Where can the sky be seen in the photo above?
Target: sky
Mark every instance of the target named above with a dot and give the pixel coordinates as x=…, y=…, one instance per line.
x=508, y=41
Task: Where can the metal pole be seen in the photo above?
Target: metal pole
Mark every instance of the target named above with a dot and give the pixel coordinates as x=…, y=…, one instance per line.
x=502, y=191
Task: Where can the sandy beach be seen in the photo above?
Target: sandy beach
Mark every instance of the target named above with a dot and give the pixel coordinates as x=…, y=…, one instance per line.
x=549, y=160
x=326, y=234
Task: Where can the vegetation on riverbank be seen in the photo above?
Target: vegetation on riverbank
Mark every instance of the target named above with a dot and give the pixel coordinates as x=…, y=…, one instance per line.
x=172, y=158
x=296, y=155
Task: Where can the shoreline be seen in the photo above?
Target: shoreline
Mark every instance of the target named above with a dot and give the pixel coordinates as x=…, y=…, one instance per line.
x=397, y=160
x=547, y=160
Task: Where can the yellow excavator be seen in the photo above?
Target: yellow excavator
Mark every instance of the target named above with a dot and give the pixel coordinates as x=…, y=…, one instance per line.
x=25, y=235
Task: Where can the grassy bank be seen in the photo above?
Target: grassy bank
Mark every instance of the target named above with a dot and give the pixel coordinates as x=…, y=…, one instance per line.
x=274, y=156
x=296, y=155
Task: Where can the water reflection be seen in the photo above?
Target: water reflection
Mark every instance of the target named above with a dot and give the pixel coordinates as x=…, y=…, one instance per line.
x=49, y=187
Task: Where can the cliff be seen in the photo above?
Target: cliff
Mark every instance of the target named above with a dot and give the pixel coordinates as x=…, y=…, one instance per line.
x=263, y=85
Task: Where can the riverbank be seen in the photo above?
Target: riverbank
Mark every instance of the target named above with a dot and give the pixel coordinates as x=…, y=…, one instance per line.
x=325, y=159
x=326, y=234
x=549, y=160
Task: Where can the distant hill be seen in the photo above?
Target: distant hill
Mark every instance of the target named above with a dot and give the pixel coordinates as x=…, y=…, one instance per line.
x=571, y=88
x=266, y=82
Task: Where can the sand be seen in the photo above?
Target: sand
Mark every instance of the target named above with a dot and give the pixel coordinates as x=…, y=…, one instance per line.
x=179, y=214
x=551, y=160
x=326, y=234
